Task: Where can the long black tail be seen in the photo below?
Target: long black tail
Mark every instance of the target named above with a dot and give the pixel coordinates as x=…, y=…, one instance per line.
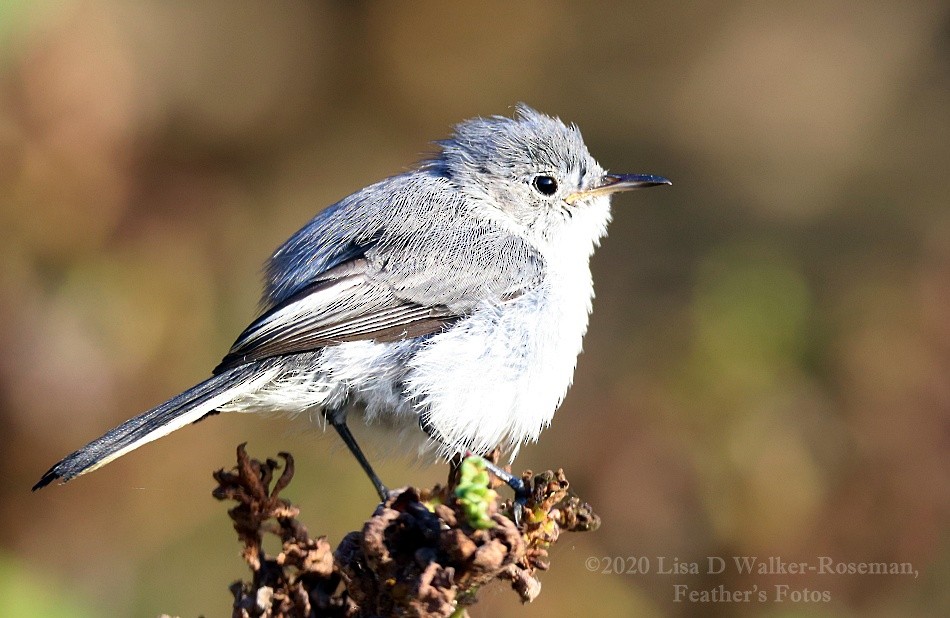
x=175, y=413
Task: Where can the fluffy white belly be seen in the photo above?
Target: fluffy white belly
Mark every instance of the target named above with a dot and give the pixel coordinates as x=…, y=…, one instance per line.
x=336, y=379
x=499, y=375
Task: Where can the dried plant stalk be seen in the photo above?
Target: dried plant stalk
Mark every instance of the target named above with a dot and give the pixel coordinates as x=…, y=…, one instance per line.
x=418, y=555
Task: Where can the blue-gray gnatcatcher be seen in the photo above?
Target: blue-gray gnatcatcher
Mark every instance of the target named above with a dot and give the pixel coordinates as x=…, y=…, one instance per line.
x=454, y=297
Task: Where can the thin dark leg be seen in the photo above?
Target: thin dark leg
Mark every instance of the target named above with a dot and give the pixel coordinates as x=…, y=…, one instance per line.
x=455, y=471
x=340, y=425
x=522, y=493
x=516, y=484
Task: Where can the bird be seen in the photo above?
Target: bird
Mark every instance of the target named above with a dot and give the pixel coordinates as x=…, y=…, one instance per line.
x=452, y=299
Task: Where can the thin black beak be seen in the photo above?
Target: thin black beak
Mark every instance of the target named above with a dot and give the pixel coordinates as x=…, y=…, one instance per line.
x=612, y=183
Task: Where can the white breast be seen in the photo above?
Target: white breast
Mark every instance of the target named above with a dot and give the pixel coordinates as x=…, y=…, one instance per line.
x=499, y=375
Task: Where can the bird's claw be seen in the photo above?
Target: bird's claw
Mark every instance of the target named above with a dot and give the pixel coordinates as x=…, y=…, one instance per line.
x=517, y=485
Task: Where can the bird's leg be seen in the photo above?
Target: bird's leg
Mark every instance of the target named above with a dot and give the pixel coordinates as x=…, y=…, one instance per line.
x=509, y=479
x=517, y=485
x=455, y=471
x=339, y=423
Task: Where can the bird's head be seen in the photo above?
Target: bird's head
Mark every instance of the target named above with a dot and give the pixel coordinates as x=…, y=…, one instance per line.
x=535, y=168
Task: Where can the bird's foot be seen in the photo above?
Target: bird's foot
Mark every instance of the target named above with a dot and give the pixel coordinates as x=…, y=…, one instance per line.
x=517, y=485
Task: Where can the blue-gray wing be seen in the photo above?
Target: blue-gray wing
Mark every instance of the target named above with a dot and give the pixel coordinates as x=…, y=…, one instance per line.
x=400, y=259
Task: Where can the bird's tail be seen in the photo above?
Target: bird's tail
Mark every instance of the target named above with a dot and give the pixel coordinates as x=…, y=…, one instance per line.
x=186, y=408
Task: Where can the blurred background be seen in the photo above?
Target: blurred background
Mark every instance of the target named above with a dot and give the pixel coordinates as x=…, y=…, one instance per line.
x=767, y=371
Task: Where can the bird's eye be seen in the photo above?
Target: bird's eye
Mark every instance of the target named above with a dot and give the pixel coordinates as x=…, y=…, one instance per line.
x=545, y=185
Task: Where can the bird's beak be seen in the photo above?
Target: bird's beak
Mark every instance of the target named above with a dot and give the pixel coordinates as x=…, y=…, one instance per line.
x=611, y=183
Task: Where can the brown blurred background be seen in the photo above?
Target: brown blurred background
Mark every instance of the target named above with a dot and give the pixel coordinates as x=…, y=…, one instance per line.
x=767, y=370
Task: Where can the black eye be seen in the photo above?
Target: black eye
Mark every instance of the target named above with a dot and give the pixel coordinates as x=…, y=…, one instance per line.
x=545, y=185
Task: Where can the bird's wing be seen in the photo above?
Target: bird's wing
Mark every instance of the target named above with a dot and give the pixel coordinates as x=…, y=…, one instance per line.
x=407, y=277
x=345, y=305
